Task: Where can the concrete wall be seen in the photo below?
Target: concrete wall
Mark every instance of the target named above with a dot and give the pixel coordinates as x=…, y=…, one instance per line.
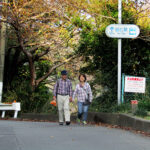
x=122, y=120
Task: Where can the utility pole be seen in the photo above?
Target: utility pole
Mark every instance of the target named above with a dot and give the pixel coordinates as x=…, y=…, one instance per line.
x=121, y=31
x=119, y=51
x=2, y=51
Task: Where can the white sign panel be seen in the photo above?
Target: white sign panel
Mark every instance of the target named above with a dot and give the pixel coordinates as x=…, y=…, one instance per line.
x=122, y=31
x=135, y=84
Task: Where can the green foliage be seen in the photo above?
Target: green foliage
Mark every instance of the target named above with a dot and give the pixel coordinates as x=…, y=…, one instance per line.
x=30, y=101
x=42, y=67
x=141, y=112
x=47, y=108
x=20, y=90
x=144, y=104
x=123, y=108
x=112, y=9
x=106, y=104
x=100, y=54
x=76, y=20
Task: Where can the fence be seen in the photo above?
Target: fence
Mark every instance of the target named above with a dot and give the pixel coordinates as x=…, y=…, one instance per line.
x=128, y=96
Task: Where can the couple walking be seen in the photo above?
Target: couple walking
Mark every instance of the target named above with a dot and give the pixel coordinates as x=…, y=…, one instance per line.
x=63, y=93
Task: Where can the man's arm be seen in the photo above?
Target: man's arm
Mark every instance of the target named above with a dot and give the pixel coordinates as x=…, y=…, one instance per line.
x=55, y=90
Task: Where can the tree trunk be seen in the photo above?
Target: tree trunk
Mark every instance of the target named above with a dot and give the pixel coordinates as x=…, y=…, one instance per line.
x=30, y=60
x=14, y=66
x=32, y=73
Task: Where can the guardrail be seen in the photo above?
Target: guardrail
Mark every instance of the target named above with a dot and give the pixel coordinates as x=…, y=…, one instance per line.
x=14, y=106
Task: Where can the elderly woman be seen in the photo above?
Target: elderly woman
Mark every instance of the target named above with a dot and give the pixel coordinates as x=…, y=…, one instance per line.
x=84, y=96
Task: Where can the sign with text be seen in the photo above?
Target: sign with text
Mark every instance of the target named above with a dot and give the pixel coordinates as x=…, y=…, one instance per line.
x=122, y=31
x=135, y=84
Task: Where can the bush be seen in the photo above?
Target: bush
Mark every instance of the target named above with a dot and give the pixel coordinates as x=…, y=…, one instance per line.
x=106, y=103
x=141, y=112
x=122, y=108
x=48, y=108
x=30, y=101
x=144, y=104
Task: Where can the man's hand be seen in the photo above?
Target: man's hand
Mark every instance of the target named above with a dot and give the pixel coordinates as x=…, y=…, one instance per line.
x=54, y=98
x=70, y=99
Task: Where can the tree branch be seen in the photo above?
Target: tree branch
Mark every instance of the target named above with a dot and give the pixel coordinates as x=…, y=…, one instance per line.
x=53, y=68
x=41, y=54
x=33, y=49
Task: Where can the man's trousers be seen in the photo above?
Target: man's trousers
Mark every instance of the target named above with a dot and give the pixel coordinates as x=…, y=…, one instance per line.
x=63, y=108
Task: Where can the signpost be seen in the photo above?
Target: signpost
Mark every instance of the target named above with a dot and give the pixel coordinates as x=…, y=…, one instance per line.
x=121, y=31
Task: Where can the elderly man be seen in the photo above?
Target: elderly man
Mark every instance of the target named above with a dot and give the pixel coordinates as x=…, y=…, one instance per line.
x=63, y=93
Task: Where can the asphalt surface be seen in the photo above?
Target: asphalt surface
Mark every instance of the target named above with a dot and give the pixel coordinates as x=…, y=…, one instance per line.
x=22, y=135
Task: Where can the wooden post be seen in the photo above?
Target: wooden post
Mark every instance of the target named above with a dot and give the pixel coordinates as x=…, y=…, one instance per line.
x=134, y=106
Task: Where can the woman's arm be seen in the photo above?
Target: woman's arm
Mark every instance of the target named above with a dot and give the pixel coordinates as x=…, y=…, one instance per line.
x=75, y=92
x=90, y=92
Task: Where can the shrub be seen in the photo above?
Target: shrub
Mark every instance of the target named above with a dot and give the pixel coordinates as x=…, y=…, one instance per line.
x=141, y=112
x=144, y=104
x=30, y=101
x=106, y=103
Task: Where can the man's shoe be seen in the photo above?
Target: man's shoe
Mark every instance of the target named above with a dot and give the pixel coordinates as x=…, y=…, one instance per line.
x=61, y=123
x=67, y=123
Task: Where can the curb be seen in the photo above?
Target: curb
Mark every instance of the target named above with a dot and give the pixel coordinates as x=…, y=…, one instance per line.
x=122, y=120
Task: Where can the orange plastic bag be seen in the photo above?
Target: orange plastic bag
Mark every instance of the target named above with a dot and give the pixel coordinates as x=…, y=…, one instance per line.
x=53, y=102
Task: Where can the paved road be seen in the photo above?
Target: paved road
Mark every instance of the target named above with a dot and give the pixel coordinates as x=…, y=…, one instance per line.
x=20, y=135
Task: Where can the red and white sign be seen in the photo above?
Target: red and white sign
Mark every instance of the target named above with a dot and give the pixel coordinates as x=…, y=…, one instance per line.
x=135, y=84
x=134, y=102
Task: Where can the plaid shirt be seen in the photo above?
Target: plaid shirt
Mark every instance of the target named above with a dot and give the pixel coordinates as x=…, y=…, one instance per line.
x=81, y=92
x=63, y=87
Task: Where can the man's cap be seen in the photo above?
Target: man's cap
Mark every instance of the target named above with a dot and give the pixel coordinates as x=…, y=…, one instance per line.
x=64, y=72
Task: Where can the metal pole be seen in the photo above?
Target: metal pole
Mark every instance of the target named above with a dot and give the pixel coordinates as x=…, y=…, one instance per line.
x=2, y=54
x=119, y=52
x=122, y=95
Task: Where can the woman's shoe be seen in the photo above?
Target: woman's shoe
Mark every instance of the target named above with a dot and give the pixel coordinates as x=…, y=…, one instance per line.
x=78, y=120
x=84, y=123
